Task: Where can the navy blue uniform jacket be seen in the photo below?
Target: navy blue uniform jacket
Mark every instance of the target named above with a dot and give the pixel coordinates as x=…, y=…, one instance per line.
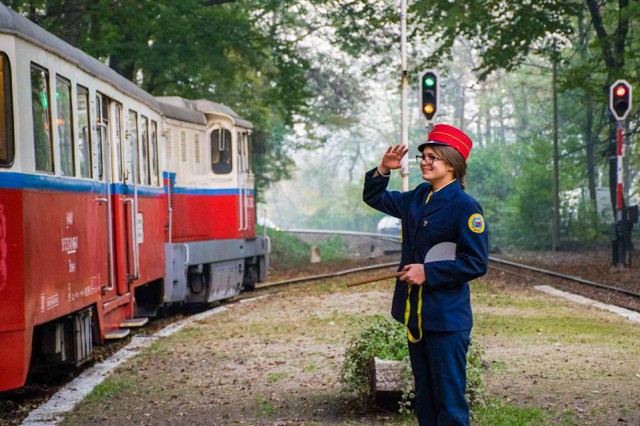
x=451, y=215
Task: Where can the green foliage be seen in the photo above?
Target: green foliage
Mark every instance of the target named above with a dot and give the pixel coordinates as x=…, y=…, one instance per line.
x=385, y=338
x=529, y=209
x=476, y=392
x=582, y=225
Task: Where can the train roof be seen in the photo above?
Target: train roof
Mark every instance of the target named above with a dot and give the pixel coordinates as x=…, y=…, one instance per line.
x=182, y=114
x=13, y=23
x=207, y=107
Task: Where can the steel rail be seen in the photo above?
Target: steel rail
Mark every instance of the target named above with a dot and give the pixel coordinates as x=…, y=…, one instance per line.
x=563, y=276
x=327, y=275
x=385, y=237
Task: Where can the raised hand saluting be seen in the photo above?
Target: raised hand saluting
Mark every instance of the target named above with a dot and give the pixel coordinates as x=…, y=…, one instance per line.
x=392, y=158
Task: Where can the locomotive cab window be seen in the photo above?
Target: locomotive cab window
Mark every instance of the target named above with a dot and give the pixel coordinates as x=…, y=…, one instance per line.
x=221, y=160
x=6, y=112
x=40, y=106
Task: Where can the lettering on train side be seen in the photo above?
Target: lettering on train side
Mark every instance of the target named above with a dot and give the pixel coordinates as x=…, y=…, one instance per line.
x=53, y=301
x=69, y=244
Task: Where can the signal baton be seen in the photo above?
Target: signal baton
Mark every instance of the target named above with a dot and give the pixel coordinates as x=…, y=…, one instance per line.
x=377, y=278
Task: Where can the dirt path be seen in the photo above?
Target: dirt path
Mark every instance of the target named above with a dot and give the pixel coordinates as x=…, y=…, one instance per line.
x=276, y=361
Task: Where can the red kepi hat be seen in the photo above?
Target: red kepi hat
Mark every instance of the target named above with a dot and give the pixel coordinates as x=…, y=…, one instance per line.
x=443, y=134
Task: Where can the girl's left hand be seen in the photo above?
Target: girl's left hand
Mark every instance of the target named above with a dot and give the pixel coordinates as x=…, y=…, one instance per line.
x=414, y=274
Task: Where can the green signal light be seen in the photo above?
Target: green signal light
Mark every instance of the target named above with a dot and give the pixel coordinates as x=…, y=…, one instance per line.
x=429, y=81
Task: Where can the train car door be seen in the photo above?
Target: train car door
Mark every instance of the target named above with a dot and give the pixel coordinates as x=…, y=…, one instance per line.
x=125, y=216
x=103, y=145
x=121, y=191
x=245, y=201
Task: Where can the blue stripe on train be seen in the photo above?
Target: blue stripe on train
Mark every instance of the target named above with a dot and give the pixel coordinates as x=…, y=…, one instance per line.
x=10, y=180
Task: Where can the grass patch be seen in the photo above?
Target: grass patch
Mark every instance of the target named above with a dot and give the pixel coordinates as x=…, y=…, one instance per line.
x=517, y=315
x=275, y=377
x=501, y=414
x=311, y=368
x=267, y=408
x=110, y=388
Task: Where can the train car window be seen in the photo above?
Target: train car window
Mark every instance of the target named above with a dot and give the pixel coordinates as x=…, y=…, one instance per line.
x=132, y=145
x=65, y=130
x=101, y=128
x=153, y=154
x=6, y=113
x=83, y=132
x=221, y=161
x=40, y=105
x=144, y=150
x=117, y=140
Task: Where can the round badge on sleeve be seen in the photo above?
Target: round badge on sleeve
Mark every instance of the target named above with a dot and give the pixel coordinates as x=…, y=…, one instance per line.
x=476, y=223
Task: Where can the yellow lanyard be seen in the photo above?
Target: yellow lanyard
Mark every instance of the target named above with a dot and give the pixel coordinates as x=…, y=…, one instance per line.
x=407, y=310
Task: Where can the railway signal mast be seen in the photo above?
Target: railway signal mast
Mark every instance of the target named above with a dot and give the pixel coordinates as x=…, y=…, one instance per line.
x=620, y=105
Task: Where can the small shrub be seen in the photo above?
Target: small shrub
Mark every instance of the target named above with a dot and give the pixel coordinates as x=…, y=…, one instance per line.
x=386, y=339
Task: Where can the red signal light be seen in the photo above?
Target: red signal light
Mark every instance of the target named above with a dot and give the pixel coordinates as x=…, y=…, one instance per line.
x=621, y=91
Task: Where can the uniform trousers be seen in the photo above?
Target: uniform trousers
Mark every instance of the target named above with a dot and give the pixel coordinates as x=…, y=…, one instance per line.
x=439, y=363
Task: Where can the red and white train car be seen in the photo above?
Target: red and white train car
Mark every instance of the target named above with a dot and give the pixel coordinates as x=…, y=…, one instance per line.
x=213, y=251
x=112, y=203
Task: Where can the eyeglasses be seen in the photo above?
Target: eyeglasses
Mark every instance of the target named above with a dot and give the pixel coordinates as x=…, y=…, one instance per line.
x=428, y=158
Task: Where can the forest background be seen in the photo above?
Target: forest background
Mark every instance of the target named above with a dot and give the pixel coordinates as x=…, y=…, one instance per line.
x=320, y=81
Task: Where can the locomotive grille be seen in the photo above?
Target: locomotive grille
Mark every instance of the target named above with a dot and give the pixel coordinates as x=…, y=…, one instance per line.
x=169, y=146
x=183, y=145
x=196, y=141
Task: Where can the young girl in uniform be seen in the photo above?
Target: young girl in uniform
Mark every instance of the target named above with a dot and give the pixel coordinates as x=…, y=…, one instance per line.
x=444, y=246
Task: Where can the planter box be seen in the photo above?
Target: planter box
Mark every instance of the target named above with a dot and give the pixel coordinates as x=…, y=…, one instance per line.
x=386, y=376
